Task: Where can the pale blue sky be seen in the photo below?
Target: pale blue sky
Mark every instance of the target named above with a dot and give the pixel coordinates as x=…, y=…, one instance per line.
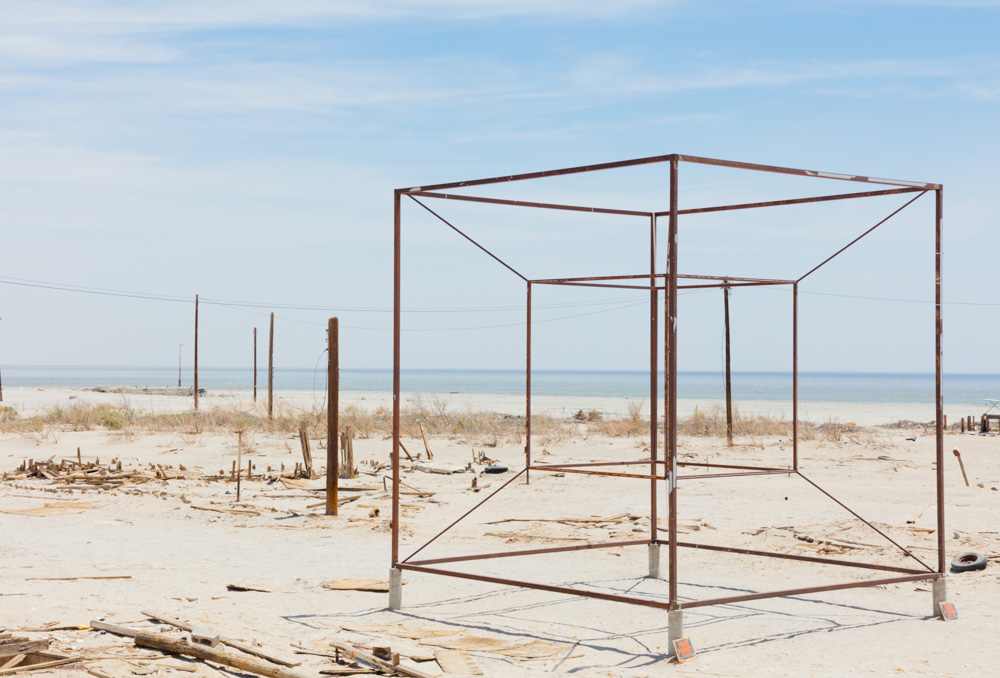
x=248, y=151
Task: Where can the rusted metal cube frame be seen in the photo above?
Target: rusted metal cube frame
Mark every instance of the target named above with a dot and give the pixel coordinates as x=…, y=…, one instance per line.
x=668, y=282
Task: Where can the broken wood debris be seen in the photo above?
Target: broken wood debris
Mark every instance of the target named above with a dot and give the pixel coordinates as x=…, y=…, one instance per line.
x=352, y=653
x=232, y=642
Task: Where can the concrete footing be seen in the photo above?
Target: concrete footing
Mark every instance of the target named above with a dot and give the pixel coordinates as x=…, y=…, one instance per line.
x=395, y=588
x=654, y=561
x=675, y=628
x=939, y=593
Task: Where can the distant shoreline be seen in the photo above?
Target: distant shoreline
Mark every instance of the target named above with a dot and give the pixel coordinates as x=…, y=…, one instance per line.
x=28, y=400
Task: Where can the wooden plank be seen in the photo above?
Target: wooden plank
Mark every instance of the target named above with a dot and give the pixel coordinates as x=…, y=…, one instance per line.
x=231, y=642
x=457, y=661
x=113, y=628
x=14, y=661
x=164, y=643
x=43, y=665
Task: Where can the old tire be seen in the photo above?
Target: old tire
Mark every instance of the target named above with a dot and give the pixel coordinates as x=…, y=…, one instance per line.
x=496, y=469
x=968, y=562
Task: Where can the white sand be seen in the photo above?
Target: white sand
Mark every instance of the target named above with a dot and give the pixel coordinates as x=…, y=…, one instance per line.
x=180, y=559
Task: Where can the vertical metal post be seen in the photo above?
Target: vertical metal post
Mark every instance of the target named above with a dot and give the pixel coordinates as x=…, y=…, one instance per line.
x=179, y=362
x=396, y=301
x=729, y=373
x=671, y=424
x=255, y=364
x=527, y=393
x=654, y=299
x=270, y=373
x=196, y=351
x=939, y=397
x=332, y=415
x=795, y=376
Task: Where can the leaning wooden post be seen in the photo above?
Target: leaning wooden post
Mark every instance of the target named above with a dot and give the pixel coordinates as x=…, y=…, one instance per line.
x=270, y=373
x=332, y=416
x=729, y=374
x=196, y=351
x=255, y=364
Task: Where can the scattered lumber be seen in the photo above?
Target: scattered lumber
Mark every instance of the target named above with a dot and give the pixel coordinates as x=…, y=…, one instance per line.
x=236, y=512
x=16, y=646
x=165, y=643
x=231, y=642
x=354, y=654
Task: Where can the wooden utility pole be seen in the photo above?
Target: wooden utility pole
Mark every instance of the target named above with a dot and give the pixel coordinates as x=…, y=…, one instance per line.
x=179, y=347
x=270, y=373
x=196, y=351
x=255, y=364
x=332, y=415
x=729, y=374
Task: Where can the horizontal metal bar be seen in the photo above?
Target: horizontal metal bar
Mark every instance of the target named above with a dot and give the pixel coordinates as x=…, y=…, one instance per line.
x=570, y=283
x=530, y=552
x=803, y=591
x=795, y=556
x=663, y=605
x=776, y=281
x=631, y=600
x=526, y=203
x=739, y=467
x=612, y=474
x=582, y=464
x=803, y=173
x=735, y=474
x=726, y=284
x=793, y=201
x=539, y=175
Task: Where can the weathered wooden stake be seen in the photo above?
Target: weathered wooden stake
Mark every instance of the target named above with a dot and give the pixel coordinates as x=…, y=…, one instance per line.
x=255, y=364
x=729, y=374
x=196, y=351
x=347, y=468
x=270, y=373
x=239, y=462
x=430, y=455
x=958, y=455
x=332, y=415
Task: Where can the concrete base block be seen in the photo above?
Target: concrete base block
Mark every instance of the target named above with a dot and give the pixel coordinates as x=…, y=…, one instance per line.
x=654, y=561
x=939, y=594
x=675, y=628
x=395, y=588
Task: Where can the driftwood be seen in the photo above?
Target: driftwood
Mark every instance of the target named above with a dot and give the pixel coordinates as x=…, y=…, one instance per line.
x=165, y=643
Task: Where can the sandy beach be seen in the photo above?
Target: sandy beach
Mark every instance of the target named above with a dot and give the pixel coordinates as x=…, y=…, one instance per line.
x=28, y=400
x=179, y=551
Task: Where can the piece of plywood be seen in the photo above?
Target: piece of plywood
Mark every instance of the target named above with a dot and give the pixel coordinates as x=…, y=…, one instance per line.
x=473, y=643
x=457, y=661
x=57, y=508
x=371, y=585
x=536, y=649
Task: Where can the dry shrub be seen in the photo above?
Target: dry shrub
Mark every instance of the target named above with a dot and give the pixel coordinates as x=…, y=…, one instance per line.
x=632, y=425
x=713, y=424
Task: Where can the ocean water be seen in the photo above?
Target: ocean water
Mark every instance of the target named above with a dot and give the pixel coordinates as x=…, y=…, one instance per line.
x=814, y=386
